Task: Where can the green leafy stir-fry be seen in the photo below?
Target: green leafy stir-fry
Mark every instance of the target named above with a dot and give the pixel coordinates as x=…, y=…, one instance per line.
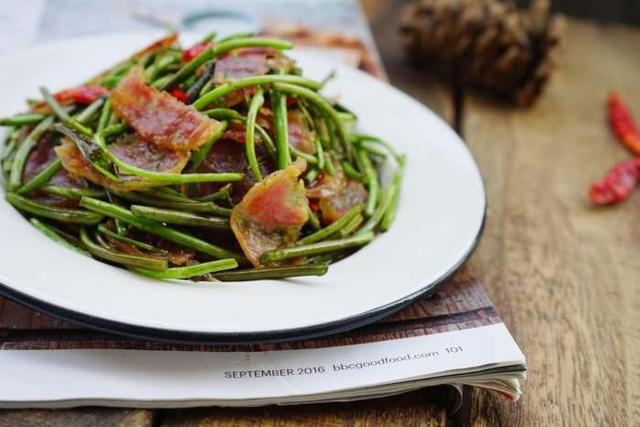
x=221, y=161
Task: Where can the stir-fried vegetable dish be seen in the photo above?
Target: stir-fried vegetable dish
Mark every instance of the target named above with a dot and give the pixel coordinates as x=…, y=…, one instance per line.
x=216, y=162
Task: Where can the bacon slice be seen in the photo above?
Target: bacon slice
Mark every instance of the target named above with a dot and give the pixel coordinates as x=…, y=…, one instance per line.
x=336, y=195
x=41, y=157
x=247, y=62
x=272, y=213
x=158, y=117
x=235, y=98
x=130, y=149
x=300, y=136
x=240, y=64
x=229, y=156
x=136, y=152
x=335, y=206
x=326, y=185
x=237, y=132
x=74, y=163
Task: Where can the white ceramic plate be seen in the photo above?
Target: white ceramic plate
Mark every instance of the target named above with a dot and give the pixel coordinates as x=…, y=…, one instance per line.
x=439, y=221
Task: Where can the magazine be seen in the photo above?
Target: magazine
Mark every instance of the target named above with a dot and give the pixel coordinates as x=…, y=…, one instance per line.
x=453, y=337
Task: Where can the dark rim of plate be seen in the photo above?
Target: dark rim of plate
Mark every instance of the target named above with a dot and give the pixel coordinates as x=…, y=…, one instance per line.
x=187, y=337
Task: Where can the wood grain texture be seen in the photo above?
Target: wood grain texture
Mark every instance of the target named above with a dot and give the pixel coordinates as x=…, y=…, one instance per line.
x=459, y=304
x=563, y=275
x=18, y=317
x=89, y=417
x=419, y=408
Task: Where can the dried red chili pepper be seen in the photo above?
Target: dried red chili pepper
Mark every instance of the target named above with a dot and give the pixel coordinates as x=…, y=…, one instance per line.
x=179, y=94
x=192, y=52
x=618, y=183
x=622, y=123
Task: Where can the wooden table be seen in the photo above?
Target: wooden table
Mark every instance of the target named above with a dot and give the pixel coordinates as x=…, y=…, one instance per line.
x=564, y=275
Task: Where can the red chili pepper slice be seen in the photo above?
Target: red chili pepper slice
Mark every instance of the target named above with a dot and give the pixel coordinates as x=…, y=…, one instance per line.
x=314, y=205
x=83, y=95
x=192, y=52
x=618, y=183
x=179, y=94
x=622, y=123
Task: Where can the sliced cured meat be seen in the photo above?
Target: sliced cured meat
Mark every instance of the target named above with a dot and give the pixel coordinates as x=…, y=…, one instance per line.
x=41, y=157
x=237, y=66
x=136, y=152
x=73, y=162
x=335, y=195
x=229, y=156
x=247, y=62
x=237, y=132
x=327, y=185
x=160, y=118
x=300, y=136
x=272, y=213
x=335, y=206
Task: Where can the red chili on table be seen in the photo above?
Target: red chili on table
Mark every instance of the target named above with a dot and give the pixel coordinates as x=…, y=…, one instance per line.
x=618, y=183
x=622, y=123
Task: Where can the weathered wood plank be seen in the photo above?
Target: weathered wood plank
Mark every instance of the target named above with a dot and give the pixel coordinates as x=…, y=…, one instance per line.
x=89, y=417
x=563, y=274
x=16, y=316
x=413, y=409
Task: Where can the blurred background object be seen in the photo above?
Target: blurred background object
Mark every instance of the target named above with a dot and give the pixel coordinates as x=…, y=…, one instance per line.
x=349, y=48
x=486, y=43
x=623, y=11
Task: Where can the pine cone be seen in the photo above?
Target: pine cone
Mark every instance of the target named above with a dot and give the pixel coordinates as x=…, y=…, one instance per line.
x=488, y=43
